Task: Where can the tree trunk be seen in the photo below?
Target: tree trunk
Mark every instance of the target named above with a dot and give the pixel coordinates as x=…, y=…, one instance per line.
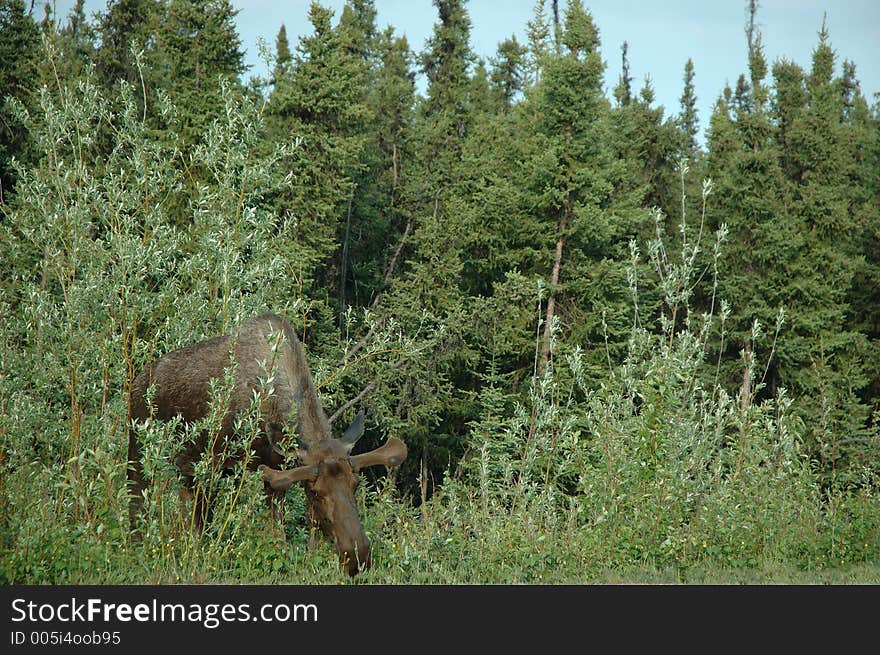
x=344, y=267
x=557, y=28
x=551, y=300
x=746, y=390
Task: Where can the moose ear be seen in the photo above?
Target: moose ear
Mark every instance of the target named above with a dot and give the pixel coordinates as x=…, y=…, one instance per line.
x=354, y=431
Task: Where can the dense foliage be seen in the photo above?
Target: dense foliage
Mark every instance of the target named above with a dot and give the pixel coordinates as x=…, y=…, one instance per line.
x=611, y=351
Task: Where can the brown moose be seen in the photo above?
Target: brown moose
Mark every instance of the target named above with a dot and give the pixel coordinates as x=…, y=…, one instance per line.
x=262, y=346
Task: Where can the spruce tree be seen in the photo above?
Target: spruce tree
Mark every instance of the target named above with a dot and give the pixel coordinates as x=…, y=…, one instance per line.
x=392, y=103
x=197, y=46
x=20, y=52
x=784, y=165
x=688, y=121
x=357, y=259
x=572, y=176
x=385, y=225
x=425, y=295
x=68, y=50
x=283, y=56
x=750, y=200
x=358, y=22
x=824, y=355
x=865, y=296
x=623, y=90
x=318, y=102
x=481, y=99
x=538, y=31
x=508, y=72
x=76, y=38
x=446, y=62
x=122, y=24
x=788, y=101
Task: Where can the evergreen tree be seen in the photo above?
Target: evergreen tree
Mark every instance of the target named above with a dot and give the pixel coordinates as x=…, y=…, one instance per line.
x=539, y=42
x=383, y=222
x=623, y=90
x=481, y=96
x=20, y=52
x=688, y=120
x=744, y=163
x=789, y=100
x=76, y=39
x=122, y=24
x=283, y=56
x=69, y=44
x=442, y=123
x=197, y=46
x=823, y=358
x=319, y=102
x=721, y=133
x=446, y=62
x=392, y=101
x=358, y=23
x=425, y=296
x=865, y=297
x=785, y=168
x=649, y=143
x=508, y=74
x=571, y=176
x=357, y=260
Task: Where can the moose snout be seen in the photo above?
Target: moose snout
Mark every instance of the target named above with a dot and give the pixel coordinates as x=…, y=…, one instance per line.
x=356, y=558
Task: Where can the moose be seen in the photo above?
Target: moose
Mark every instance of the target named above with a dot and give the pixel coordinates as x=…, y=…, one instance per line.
x=181, y=380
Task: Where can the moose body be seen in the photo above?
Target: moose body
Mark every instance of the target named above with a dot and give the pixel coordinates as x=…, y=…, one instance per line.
x=262, y=347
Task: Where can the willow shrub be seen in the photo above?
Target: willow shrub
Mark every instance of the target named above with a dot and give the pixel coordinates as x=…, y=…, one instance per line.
x=660, y=466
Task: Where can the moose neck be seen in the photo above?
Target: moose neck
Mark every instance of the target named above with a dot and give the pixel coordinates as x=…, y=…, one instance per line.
x=312, y=425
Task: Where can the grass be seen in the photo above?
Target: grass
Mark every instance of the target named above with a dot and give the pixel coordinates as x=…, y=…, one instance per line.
x=441, y=542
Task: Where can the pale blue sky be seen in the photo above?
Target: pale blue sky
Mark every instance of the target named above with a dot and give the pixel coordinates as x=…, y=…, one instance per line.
x=661, y=35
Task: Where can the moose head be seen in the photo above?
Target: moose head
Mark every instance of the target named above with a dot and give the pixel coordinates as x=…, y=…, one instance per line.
x=330, y=475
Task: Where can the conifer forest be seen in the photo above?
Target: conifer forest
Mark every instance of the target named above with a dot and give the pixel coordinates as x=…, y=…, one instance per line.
x=621, y=341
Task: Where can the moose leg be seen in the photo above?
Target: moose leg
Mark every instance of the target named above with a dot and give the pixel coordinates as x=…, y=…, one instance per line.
x=314, y=532
x=202, y=506
x=275, y=502
x=196, y=499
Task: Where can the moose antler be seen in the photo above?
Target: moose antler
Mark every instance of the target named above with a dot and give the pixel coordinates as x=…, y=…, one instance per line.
x=392, y=453
x=283, y=480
